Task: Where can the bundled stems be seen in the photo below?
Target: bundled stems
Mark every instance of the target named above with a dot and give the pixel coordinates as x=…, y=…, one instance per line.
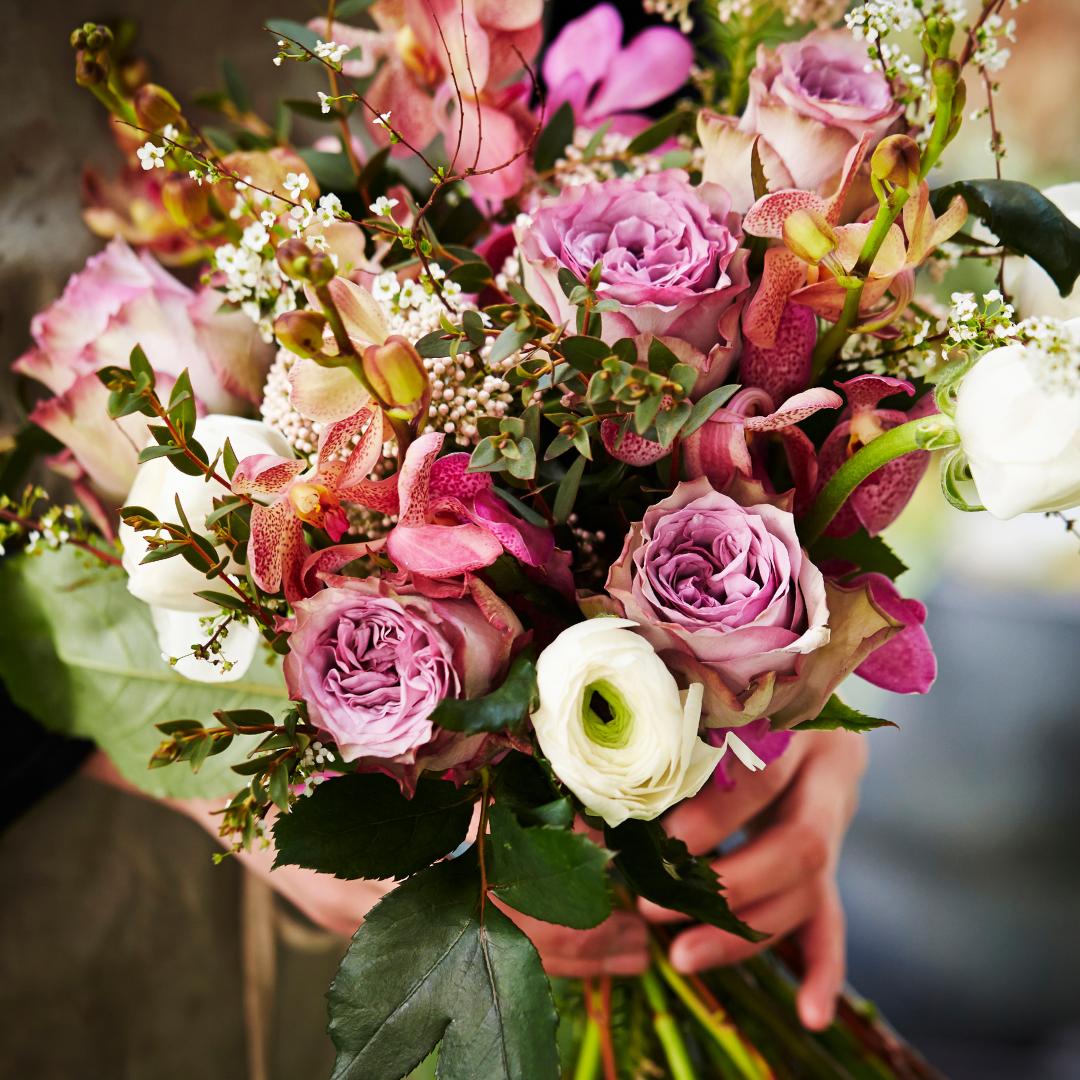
x=667, y=1028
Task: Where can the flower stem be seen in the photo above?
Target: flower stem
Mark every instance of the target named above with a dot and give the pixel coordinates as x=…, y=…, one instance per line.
x=914, y=435
x=588, y=1062
x=714, y=1021
x=667, y=1029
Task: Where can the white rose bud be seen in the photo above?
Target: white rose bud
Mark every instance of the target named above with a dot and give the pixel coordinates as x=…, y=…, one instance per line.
x=1018, y=415
x=1032, y=289
x=169, y=586
x=615, y=726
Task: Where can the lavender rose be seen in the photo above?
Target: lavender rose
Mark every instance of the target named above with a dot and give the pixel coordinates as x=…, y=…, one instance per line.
x=726, y=594
x=668, y=253
x=372, y=664
x=810, y=102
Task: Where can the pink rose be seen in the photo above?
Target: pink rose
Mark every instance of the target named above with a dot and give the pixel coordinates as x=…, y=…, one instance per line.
x=119, y=300
x=726, y=594
x=669, y=254
x=810, y=102
x=372, y=663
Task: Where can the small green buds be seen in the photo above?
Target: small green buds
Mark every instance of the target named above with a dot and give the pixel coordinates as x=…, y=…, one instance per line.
x=155, y=107
x=301, y=332
x=896, y=161
x=398, y=377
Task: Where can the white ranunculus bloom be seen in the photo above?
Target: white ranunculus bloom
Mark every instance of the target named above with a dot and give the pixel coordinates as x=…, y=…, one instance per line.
x=1018, y=416
x=169, y=586
x=1032, y=289
x=615, y=726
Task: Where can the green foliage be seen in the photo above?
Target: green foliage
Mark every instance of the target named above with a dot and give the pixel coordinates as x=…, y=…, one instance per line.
x=504, y=709
x=293, y=31
x=661, y=869
x=1023, y=219
x=79, y=653
x=547, y=872
x=361, y=826
x=867, y=554
x=838, y=715
x=660, y=132
x=524, y=786
x=554, y=139
x=331, y=170
x=433, y=964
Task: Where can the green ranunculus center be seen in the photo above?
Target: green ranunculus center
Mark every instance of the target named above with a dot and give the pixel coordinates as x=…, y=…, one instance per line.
x=605, y=714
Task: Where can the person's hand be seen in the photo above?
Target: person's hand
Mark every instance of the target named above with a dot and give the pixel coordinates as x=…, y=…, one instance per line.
x=783, y=878
x=618, y=946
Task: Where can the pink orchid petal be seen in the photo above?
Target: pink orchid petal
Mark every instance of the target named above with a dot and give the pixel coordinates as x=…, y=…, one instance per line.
x=276, y=549
x=323, y=394
x=784, y=368
x=767, y=216
x=906, y=663
x=783, y=273
x=796, y=409
x=628, y=446
x=508, y=14
x=529, y=544
x=490, y=140
x=759, y=737
x=397, y=91
x=835, y=202
x=338, y=438
x=653, y=65
x=581, y=56
x=865, y=391
x=802, y=464
x=320, y=564
x=450, y=477
x=441, y=551
x=265, y=474
x=414, y=478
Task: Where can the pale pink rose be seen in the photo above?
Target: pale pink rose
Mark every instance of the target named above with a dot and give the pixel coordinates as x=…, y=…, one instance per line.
x=728, y=597
x=121, y=299
x=669, y=255
x=810, y=102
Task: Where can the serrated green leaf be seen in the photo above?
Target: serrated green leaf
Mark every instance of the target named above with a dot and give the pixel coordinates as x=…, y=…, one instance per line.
x=75, y=640
x=504, y=709
x=838, y=715
x=522, y=784
x=661, y=869
x=448, y=970
x=866, y=554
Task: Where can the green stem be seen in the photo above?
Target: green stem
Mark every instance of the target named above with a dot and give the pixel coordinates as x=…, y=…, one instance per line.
x=667, y=1030
x=831, y=342
x=914, y=435
x=722, y=1032
x=939, y=134
x=588, y=1062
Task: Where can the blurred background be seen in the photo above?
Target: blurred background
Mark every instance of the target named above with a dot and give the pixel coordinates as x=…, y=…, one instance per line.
x=125, y=953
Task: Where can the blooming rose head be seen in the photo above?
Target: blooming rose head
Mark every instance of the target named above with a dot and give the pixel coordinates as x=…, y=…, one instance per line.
x=1018, y=415
x=117, y=301
x=668, y=254
x=727, y=596
x=614, y=725
x=810, y=102
x=372, y=663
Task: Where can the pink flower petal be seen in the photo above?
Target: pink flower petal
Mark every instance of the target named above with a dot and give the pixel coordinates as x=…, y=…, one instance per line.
x=784, y=368
x=905, y=664
x=441, y=551
x=653, y=65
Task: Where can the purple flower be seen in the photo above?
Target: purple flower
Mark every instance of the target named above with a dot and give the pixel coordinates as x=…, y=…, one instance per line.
x=372, y=664
x=588, y=66
x=726, y=594
x=668, y=254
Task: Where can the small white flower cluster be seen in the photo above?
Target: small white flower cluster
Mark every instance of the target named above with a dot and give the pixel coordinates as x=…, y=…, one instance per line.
x=253, y=280
x=971, y=324
x=1057, y=355
x=990, y=51
x=589, y=159
x=309, y=768
x=793, y=12
x=676, y=12
x=55, y=527
x=151, y=156
x=331, y=51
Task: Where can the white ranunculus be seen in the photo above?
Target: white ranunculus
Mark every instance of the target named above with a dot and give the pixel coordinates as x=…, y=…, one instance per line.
x=1018, y=416
x=169, y=586
x=1032, y=289
x=615, y=726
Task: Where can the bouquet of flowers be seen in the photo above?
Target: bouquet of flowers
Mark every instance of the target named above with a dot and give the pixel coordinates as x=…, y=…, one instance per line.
x=502, y=466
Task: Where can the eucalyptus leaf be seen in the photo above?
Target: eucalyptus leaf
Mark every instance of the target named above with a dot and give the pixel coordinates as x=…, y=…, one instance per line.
x=79, y=653
x=433, y=964
x=554, y=139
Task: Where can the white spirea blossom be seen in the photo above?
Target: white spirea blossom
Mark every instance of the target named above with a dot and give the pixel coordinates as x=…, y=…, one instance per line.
x=331, y=50
x=1018, y=417
x=151, y=156
x=615, y=726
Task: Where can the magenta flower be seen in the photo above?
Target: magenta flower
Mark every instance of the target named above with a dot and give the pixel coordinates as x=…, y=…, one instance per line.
x=669, y=254
x=727, y=596
x=906, y=663
x=877, y=502
x=372, y=663
x=588, y=66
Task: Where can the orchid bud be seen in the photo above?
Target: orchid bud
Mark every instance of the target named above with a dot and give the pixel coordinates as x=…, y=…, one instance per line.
x=398, y=377
x=320, y=268
x=155, y=107
x=809, y=236
x=945, y=74
x=97, y=37
x=896, y=160
x=294, y=258
x=186, y=201
x=301, y=332
x=88, y=70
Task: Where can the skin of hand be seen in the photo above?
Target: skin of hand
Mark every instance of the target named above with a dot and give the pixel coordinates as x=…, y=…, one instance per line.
x=782, y=880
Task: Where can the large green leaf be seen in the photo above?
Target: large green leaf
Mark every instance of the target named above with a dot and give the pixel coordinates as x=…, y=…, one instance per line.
x=661, y=868
x=361, y=826
x=547, y=872
x=504, y=709
x=431, y=964
x=79, y=652
x=1023, y=219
